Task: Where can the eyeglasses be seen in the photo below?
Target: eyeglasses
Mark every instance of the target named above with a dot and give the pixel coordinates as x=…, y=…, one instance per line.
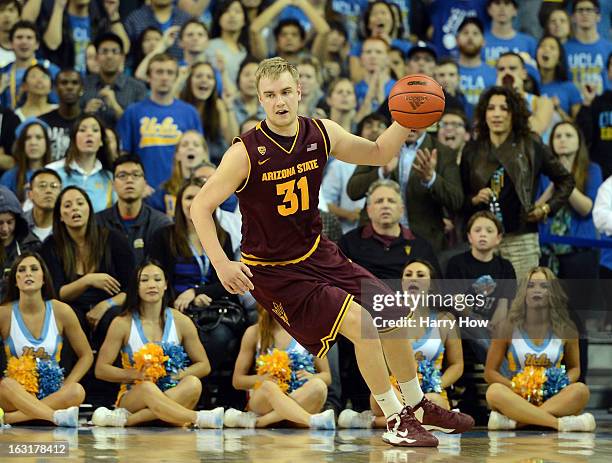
x=586, y=10
x=124, y=175
x=44, y=185
x=451, y=125
x=109, y=51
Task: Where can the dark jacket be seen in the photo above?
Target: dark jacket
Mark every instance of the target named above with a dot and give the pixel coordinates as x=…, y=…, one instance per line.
x=140, y=234
x=523, y=161
x=160, y=250
x=425, y=207
x=117, y=261
x=365, y=248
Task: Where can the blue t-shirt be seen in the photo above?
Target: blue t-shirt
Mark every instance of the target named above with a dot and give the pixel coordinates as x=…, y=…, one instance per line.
x=6, y=99
x=580, y=227
x=80, y=28
x=587, y=62
x=494, y=46
x=447, y=16
x=473, y=81
x=567, y=93
x=403, y=45
x=9, y=179
x=152, y=131
x=361, y=89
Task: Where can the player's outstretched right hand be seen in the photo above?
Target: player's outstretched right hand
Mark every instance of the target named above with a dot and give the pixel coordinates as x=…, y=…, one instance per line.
x=235, y=277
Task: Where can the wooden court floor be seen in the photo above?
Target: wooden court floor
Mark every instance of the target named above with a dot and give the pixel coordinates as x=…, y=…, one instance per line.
x=135, y=445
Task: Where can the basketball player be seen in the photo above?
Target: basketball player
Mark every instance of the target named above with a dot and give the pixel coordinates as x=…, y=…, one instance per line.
x=298, y=275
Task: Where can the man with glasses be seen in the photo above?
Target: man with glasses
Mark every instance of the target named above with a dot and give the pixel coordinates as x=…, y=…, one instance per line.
x=586, y=51
x=130, y=215
x=107, y=94
x=45, y=187
x=453, y=131
x=429, y=180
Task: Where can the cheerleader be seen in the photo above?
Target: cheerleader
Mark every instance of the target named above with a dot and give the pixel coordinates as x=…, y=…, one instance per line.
x=268, y=404
x=537, y=333
x=32, y=325
x=148, y=319
x=434, y=347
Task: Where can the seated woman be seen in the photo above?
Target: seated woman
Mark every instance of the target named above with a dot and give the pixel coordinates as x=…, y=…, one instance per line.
x=192, y=278
x=90, y=265
x=147, y=318
x=436, y=346
x=268, y=404
x=538, y=333
x=33, y=323
x=191, y=151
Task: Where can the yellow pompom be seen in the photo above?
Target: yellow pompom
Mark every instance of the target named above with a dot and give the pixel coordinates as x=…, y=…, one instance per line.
x=23, y=370
x=150, y=360
x=529, y=384
x=277, y=365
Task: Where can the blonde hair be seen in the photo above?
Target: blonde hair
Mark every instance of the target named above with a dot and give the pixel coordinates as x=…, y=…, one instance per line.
x=176, y=180
x=272, y=68
x=563, y=327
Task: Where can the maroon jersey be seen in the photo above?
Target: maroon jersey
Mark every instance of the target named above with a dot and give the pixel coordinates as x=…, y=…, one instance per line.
x=279, y=200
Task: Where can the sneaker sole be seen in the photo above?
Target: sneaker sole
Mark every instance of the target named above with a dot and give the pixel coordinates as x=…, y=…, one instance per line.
x=396, y=441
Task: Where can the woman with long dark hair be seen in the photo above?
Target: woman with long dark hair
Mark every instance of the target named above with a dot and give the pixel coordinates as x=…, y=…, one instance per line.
x=552, y=64
x=90, y=265
x=574, y=219
x=500, y=169
x=36, y=88
x=88, y=163
x=538, y=333
x=147, y=318
x=33, y=323
x=32, y=151
x=191, y=275
x=220, y=126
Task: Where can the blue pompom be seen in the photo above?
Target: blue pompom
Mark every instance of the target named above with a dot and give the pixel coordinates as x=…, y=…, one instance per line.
x=556, y=379
x=431, y=381
x=50, y=377
x=299, y=361
x=177, y=360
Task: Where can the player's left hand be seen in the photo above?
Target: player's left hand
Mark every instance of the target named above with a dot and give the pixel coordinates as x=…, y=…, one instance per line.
x=425, y=163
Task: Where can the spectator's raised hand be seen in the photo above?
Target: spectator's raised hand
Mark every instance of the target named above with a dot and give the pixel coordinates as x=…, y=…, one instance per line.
x=112, y=9
x=425, y=163
x=105, y=282
x=483, y=196
x=93, y=105
x=169, y=38
x=589, y=92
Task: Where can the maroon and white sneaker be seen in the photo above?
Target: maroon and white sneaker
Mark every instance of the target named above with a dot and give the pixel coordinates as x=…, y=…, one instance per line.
x=436, y=418
x=404, y=430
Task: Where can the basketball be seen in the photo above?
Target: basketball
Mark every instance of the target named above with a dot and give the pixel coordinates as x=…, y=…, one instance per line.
x=416, y=101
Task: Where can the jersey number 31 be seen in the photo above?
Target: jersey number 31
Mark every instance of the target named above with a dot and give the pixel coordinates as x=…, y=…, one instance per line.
x=291, y=202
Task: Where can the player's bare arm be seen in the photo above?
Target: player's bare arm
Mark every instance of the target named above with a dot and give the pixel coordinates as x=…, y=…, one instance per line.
x=357, y=150
x=232, y=172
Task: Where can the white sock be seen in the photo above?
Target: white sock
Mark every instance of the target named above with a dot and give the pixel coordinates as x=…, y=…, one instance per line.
x=388, y=402
x=411, y=391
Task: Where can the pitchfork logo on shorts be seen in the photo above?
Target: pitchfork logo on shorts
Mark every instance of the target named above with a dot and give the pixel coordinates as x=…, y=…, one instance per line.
x=416, y=101
x=278, y=310
x=262, y=150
